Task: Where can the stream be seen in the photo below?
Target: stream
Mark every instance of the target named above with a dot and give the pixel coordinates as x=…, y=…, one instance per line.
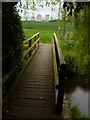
x=78, y=89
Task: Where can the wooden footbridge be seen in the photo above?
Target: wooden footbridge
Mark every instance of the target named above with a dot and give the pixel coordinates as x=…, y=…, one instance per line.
x=40, y=87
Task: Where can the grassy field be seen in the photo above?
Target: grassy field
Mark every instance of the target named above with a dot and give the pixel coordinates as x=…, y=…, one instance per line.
x=46, y=29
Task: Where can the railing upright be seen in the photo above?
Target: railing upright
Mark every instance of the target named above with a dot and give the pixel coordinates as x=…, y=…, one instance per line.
x=30, y=43
x=35, y=41
x=38, y=37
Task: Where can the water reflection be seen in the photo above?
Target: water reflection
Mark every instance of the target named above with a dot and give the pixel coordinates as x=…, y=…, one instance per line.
x=79, y=89
x=73, y=82
x=80, y=98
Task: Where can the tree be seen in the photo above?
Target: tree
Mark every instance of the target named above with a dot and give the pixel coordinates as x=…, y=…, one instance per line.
x=81, y=12
x=32, y=5
x=82, y=43
x=12, y=39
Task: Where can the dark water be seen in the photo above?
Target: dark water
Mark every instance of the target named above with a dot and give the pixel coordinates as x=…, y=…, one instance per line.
x=78, y=89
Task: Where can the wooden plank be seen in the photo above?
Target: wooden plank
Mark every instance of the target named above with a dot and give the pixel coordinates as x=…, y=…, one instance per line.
x=34, y=93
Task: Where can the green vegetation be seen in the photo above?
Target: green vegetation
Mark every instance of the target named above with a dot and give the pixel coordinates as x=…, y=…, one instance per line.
x=81, y=32
x=75, y=111
x=82, y=40
x=12, y=39
x=68, y=51
x=75, y=47
x=46, y=29
x=77, y=114
x=74, y=42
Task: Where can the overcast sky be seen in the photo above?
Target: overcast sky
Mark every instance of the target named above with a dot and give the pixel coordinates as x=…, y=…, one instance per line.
x=40, y=10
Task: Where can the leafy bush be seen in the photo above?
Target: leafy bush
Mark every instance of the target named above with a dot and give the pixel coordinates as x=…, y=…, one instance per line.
x=12, y=38
x=81, y=37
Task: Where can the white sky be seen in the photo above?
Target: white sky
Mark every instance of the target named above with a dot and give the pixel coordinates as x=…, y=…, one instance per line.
x=41, y=10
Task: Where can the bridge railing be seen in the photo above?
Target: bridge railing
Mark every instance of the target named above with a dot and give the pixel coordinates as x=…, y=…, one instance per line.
x=59, y=74
x=33, y=44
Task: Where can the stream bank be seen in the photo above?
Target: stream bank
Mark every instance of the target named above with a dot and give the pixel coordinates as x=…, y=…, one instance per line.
x=77, y=87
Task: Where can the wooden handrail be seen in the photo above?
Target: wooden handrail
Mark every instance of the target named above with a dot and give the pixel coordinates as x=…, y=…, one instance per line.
x=36, y=44
x=59, y=51
x=61, y=73
x=25, y=41
x=31, y=47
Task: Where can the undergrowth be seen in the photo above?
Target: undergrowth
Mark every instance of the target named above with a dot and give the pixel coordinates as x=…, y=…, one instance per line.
x=77, y=114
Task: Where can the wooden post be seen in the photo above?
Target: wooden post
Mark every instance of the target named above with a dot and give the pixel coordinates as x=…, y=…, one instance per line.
x=60, y=87
x=38, y=37
x=35, y=41
x=30, y=43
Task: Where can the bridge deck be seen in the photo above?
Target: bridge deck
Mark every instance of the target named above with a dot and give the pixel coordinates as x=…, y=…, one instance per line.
x=33, y=96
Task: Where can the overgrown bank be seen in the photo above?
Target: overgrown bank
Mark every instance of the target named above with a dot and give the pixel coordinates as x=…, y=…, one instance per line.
x=76, y=45
x=75, y=52
x=76, y=114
